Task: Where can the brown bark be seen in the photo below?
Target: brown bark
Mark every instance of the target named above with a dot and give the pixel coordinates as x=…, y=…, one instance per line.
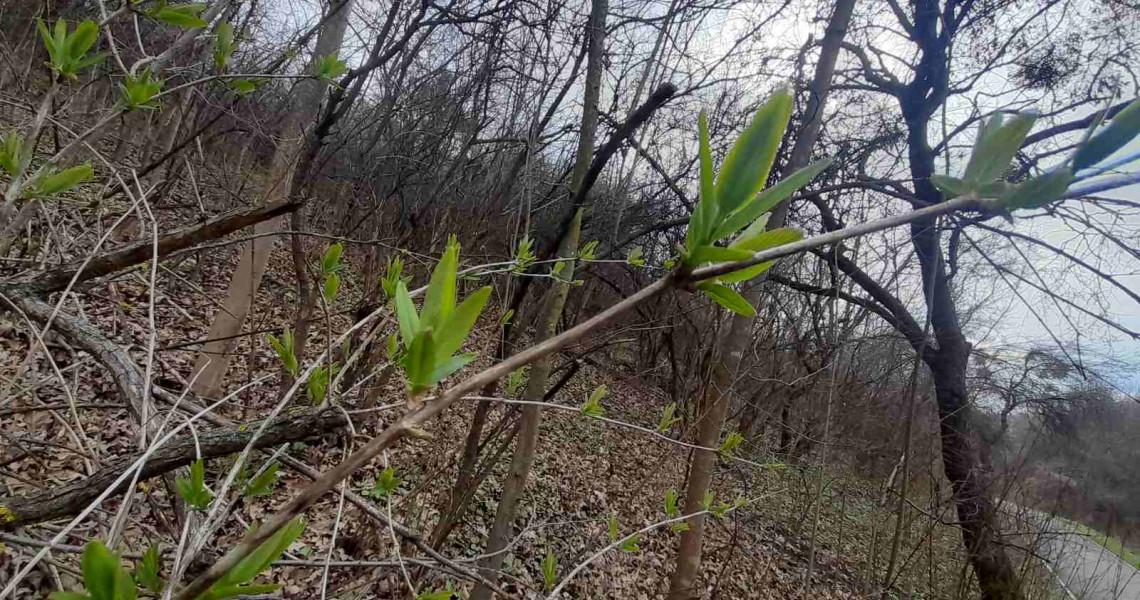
x=731, y=347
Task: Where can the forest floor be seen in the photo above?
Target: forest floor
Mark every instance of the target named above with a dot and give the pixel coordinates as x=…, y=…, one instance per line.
x=584, y=472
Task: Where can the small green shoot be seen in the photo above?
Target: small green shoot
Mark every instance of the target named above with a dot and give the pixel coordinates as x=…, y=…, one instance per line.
x=285, y=350
x=262, y=485
x=192, y=489
x=549, y=570
x=386, y=484
x=593, y=406
x=147, y=571
x=667, y=419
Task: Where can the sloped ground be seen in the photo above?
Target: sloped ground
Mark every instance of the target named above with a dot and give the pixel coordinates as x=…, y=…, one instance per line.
x=585, y=471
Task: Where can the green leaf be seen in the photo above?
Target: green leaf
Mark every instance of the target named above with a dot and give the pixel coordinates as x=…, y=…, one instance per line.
x=330, y=262
x=100, y=569
x=764, y=241
x=635, y=258
x=716, y=254
x=524, y=255
x=549, y=570
x=245, y=86
x=707, y=214
x=81, y=40
x=262, y=485
x=419, y=361
x=11, y=153
x=587, y=250
x=996, y=146
x=185, y=16
x=330, y=68
x=679, y=527
x=613, y=528
x=331, y=287
x=394, y=276
x=450, y=365
x=456, y=329
x=731, y=443
x=68, y=596
x=593, y=406
x=438, y=595
x=746, y=168
x=728, y=298
x=193, y=490
x=1038, y=191
x=439, y=301
x=285, y=351
x=1123, y=128
x=667, y=419
x=64, y=180
x=406, y=314
x=630, y=545
x=260, y=560
x=671, y=509
x=766, y=200
x=386, y=484
x=393, y=348
x=146, y=572
x=707, y=502
x=139, y=91
x=223, y=45
x=507, y=316
x=952, y=187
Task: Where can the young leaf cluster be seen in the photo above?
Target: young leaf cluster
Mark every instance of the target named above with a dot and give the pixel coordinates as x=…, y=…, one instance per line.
x=593, y=404
x=731, y=443
x=394, y=276
x=330, y=68
x=673, y=511
x=12, y=153
x=432, y=336
x=67, y=52
x=330, y=269
x=285, y=350
x=318, y=384
x=147, y=571
x=668, y=419
x=524, y=255
x=515, y=381
x=386, y=484
x=549, y=570
x=733, y=201
x=224, y=45
x=139, y=91
x=262, y=485
x=192, y=489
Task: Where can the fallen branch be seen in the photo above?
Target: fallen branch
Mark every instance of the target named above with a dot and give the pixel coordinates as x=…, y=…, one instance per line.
x=70, y=499
x=54, y=280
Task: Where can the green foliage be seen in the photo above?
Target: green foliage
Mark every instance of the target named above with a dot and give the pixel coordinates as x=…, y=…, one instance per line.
x=734, y=201
x=12, y=153
x=393, y=276
x=236, y=581
x=393, y=348
x=667, y=419
x=524, y=255
x=437, y=595
x=593, y=406
x=672, y=510
x=635, y=257
x=103, y=577
x=727, y=297
x=186, y=16
x=67, y=52
x=507, y=316
x=708, y=503
x=1038, y=191
x=613, y=528
x=996, y=144
x=1125, y=126
x=146, y=572
x=586, y=252
x=262, y=485
x=319, y=382
x=59, y=182
x=245, y=86
x=386, y=484
x=330, y=68
x=330, y=269
x=285, y=350
x=432, y=336
x=139, y=92
x=549, y=570
x=192, y=489
x=224, y=45
x=630, y=545
x=515, y=381
x=731, y=443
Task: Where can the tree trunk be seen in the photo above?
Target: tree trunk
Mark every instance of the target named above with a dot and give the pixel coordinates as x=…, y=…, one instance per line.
x=527, y=439
x=540, y=370
x=214, y=360
x=718, y=395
